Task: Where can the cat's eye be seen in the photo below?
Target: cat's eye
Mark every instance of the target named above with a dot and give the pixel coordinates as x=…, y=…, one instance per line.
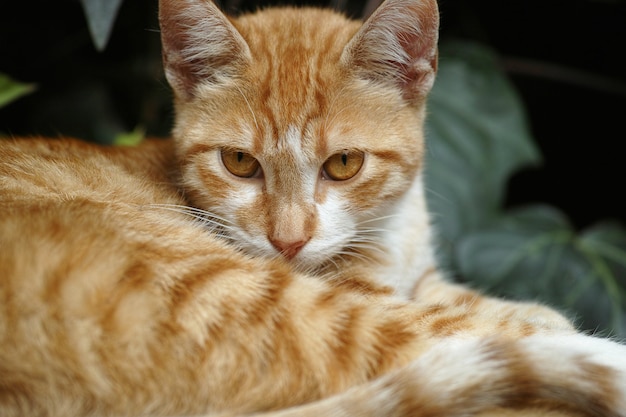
x=240, y=164
x=343, y=165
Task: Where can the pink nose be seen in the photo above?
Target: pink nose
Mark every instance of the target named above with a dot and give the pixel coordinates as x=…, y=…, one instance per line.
x=289, y=249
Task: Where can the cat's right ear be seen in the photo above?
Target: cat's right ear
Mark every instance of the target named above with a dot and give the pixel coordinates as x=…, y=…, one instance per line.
x=397, y=46
x=200, y=45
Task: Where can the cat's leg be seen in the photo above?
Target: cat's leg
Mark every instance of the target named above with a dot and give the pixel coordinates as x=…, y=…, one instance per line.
x=536, y=411
x=433, y=287
x=492, y=378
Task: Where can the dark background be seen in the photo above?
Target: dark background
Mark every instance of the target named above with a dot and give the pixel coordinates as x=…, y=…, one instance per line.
x=566, y=59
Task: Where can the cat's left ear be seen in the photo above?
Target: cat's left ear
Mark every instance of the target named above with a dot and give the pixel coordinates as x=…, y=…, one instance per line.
x=398, y=45
x=200, y=45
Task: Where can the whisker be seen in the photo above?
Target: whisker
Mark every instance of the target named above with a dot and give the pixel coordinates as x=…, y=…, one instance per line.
x=181, y=207
x=371, y=231
x=368, y=246
x=353, y=254
x=307, y=269
x=192, y=211
x=363, y=243
x=377, y=219
x=330, y=107
x=214, y=223
x=366, y=237
x=249, y=107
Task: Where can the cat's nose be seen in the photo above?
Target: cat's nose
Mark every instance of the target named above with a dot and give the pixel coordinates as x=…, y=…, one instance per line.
x=289, y=249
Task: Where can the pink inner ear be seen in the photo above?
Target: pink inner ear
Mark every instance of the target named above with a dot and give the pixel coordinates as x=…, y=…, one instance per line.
x=419, y=73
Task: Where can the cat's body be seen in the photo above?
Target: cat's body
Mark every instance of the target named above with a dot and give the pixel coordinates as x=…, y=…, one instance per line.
x=114, y=306
x=305, y=139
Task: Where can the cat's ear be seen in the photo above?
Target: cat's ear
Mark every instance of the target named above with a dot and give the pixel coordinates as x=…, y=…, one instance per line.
x=398, y=45
x=200, y=45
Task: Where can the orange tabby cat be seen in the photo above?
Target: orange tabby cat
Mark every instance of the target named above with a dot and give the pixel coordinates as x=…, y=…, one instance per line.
x=263, y=261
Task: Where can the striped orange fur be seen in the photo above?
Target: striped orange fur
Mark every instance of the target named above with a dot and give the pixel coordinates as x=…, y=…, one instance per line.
x=274, y=257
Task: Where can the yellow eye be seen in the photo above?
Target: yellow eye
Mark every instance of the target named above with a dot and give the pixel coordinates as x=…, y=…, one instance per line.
x=240, y=164
x=343, y=165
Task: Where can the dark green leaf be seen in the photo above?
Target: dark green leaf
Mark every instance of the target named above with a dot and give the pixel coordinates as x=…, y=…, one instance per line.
x=533, y=253
x=527, y=238
x=477, y=136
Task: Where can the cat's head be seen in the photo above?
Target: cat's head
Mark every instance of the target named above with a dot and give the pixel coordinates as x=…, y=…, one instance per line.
x=299, y=127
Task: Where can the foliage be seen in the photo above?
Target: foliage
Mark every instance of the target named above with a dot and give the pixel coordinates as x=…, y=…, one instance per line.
x=478, y=136
x=129, y=138
x=11, y=90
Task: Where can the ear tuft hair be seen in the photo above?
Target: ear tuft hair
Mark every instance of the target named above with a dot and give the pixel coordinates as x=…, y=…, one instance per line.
x=200, y=45
x=398, y=45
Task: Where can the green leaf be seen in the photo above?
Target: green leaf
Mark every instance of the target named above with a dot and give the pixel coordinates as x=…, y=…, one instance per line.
x=133, y=138
x=477, y=136
x=533, y=253
x=605, y=247
x=492, y=256
x=11, y=90
x=609, y=240
x=101, y=16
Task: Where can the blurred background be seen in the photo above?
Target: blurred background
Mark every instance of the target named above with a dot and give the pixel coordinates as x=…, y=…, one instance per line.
x=92, y=69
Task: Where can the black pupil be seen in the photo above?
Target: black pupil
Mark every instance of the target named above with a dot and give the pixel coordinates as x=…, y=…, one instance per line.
x=239, y=156
x=344, y=158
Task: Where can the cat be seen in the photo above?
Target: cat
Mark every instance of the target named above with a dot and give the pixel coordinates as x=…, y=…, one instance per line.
x=274, y=257
x=248, y=125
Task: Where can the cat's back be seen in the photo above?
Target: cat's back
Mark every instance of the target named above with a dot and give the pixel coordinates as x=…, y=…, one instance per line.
x=87, y=246
x=72, y=208
x=36, y=168
x=68, y=199
x=68, y=205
